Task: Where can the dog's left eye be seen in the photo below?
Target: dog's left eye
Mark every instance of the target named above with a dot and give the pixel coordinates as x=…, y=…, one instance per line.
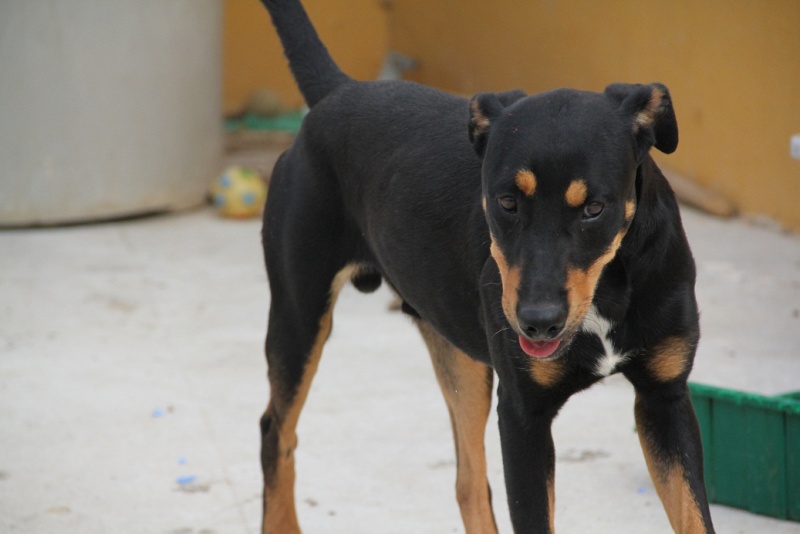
x=508, y=203
x=593, y=210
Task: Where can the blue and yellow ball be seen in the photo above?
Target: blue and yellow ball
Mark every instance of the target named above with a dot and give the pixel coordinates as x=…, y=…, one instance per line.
x=239, y=193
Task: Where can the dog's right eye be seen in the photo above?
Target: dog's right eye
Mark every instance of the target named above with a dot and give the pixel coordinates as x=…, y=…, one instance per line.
x=592, y=210
x=508, y=203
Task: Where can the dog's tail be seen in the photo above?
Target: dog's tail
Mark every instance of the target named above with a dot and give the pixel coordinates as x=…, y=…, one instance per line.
x=313, y=68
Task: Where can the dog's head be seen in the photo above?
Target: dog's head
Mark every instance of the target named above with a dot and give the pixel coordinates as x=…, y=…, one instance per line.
x=559, y=192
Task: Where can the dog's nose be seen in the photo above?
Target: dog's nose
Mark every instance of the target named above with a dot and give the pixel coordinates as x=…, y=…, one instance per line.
x=542, y=321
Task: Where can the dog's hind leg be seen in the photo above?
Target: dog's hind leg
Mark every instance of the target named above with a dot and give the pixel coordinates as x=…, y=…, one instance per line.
x=294, y=348
x=467, y=388
x=306, y=268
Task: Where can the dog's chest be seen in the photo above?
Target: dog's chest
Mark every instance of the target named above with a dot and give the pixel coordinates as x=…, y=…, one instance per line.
x=611, y=357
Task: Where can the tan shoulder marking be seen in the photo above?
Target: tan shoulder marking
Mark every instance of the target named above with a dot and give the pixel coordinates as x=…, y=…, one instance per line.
x=669, y=358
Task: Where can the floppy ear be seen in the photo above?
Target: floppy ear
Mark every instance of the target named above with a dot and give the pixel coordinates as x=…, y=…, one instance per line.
x=651, y=114
x=509, y=97
x=483, y=109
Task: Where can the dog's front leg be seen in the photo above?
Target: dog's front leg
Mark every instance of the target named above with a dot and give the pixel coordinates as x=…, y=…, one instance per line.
x=528, y=463
x=670, y=438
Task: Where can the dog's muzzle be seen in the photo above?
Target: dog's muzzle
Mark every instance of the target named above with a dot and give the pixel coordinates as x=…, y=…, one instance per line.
x=541, y=328
x=539, y=349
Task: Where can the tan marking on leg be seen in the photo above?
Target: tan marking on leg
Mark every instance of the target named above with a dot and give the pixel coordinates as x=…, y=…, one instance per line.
x=526, y=182
x=581, y=283
x=510, y=277
x=630, y=210
x=280, y=514
x=669, y=359
x=672, y=488
x=551, y=502
x=483, y=204
x=647, y=116
x=547, y=374
x=576, y=193
x=467, y=388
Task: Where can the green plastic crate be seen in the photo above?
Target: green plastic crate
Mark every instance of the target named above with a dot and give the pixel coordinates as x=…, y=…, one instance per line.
x=289, y=122
x=751, y=445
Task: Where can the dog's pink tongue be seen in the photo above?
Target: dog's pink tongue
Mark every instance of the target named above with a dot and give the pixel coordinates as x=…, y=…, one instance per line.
x=538, y=349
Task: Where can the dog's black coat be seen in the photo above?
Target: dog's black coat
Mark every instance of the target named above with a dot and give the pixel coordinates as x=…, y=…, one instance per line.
x=384, y=177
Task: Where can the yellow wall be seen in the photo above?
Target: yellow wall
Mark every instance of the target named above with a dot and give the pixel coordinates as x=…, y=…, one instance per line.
x=733, y=68
x=355, y=32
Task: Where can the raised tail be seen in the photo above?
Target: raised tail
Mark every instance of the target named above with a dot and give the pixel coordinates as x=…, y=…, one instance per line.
x=311, y=64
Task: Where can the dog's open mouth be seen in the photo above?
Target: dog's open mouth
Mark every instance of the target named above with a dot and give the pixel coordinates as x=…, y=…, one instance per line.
x=539, y=349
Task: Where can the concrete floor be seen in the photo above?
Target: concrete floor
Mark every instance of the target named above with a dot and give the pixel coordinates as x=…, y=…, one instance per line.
x=132, y=379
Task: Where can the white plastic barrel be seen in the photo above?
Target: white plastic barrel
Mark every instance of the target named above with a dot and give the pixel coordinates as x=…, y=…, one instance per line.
x=107, y=108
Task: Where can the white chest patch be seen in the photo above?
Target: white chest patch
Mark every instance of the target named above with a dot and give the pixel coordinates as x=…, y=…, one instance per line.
x=596, y=324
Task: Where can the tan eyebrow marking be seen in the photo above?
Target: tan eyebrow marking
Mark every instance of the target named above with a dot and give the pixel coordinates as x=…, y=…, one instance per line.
x=526, y=182
x=576, y=193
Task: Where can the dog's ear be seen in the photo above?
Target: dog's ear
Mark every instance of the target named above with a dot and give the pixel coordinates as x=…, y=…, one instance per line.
x=483, y=109
x=509, y=97
x=651, y=114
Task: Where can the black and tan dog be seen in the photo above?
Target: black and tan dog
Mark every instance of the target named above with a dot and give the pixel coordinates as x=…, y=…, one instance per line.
x=532, y=236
